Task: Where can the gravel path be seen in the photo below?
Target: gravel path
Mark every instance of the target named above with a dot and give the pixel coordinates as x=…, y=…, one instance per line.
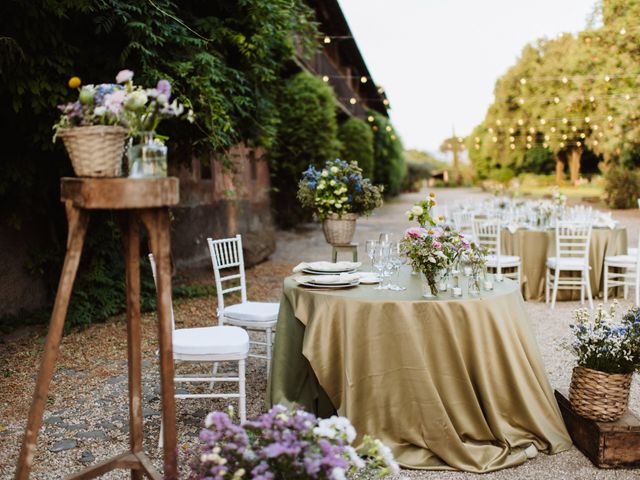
x=86, y=417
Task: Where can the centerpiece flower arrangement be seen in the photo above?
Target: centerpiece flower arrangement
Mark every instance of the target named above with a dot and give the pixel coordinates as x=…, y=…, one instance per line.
x=337, y=193
x=286, y=443
x=608, y=353
x=94, y=127
x=431, y=249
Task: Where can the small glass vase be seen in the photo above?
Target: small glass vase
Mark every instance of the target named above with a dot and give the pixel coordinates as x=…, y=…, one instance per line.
x=147, y=157
x=475, y=284
x=429, y=286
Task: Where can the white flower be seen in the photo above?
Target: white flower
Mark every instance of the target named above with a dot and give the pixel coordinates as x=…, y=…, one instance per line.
x=136, y=100
x=335, y=169
x=355, y=458
x=338, y=205
x=338, y=473
x=325, y=173
x=417, y=210
x=409, y=214
x=100, y=111
x=332, y=183
x=124, y=76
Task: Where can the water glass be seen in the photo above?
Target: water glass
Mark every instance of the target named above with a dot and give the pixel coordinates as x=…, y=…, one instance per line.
x=370, y=248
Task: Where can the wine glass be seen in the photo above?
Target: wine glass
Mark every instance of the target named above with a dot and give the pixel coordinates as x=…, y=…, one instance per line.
x=370, y=248
x=397, y=260
x=385, y=237
x=380, y=260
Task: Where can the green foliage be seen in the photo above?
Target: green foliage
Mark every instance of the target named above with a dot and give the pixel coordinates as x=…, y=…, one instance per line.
x=307, y=135
x=417, y=173
x=356, y=140
x=622, y=187
x=388, y=154
x=537, y=160
x=226, y=57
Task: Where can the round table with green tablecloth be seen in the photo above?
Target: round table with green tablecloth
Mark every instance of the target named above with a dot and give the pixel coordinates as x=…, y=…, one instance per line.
x=534, y=246
x=446, y=383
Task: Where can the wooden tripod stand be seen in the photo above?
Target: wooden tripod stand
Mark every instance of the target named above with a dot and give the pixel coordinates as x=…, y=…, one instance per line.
x=145, y=200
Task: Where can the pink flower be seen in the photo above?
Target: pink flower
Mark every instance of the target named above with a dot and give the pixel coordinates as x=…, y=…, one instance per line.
x=124, y=76
x=437, y=232
x=437, y=244
x=113, y=101
x=414, y=232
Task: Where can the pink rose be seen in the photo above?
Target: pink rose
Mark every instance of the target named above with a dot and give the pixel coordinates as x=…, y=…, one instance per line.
x=113, y=101
x=124, y=76
x=437, y=244
x=414, y=232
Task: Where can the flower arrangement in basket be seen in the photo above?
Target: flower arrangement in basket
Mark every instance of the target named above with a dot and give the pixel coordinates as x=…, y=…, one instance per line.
x=337, y=194
x=95, y=126
x=286, y=443
x=608, y=352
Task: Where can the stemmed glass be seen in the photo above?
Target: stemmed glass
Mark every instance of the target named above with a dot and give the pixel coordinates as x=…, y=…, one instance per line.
x=380, y=261
x=396, y=259
x=370, y=247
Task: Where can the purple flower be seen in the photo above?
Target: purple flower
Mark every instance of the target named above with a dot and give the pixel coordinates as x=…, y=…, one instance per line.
x=164, y=87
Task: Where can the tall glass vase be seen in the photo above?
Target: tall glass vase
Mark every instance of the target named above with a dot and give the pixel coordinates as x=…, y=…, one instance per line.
x=429, y=285
x=147, y=157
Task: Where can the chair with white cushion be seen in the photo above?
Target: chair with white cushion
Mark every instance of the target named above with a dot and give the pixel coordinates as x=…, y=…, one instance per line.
x=623, y=271
x=572, y=256
x=210, y=345
x=487, y=233
x=226, y=254
x=463, y=222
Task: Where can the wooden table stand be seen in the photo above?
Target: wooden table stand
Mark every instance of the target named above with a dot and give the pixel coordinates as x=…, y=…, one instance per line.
x=147, y=200
x=348, y=247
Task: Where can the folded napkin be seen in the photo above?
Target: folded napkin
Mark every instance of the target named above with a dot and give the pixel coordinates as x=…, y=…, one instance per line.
x=328, y=279
x=605, y=220
x=326, y=266
x=513, y=227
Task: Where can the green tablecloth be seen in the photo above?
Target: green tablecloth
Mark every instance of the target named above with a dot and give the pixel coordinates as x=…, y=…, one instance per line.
x=534, y=246
x=446, y=383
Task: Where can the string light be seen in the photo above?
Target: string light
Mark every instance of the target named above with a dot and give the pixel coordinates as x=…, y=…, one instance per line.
x=325, y=78
x=388, y=128
x=370, y=118
x=565, y=79
x=385, y=102
x=363, y=79
x=556, y=99
x=353, y=101
x=327, y=39
x=523, y=81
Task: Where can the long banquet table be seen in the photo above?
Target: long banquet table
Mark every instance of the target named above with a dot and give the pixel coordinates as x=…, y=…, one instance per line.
x=446, y=383
x=534, y=246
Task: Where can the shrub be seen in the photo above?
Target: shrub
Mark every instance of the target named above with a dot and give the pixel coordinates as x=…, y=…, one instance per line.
x=417, y=173
x=389, y=166
x=307, y=135
x=537, y=160
x=356, y=139
x=622, y=187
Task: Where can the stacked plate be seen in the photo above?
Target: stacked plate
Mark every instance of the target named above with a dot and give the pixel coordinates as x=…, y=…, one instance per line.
x=344, y=280
x=327, y=268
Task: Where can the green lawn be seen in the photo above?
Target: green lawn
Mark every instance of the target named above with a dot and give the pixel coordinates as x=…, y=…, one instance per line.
x=570, y=192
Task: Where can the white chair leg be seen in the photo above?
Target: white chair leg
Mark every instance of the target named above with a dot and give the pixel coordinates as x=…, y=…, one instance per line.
x=242, y=400
x=582, y=283
x=556, y=279
x=546, y=286
x=626, y=285
x=160, y=439
x=269, y=348
x=214, y=372
x=606, y=283
x=588, y=280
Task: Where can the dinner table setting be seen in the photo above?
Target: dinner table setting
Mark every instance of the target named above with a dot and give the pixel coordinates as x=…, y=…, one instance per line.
x=421, y=348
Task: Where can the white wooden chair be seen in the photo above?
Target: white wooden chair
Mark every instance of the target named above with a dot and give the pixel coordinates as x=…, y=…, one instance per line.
x=210, y=345
x=226, y=253
x=626, y=272
x=463, y=222
x=487, y=234
x=572, y=255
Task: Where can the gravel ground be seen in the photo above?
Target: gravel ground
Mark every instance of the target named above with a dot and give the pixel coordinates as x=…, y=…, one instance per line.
x=86, y=416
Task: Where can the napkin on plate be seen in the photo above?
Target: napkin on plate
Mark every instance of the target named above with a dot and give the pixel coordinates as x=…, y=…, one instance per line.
x=327, y=266
x=605, y=220
x=513, y=227
x=328, y=279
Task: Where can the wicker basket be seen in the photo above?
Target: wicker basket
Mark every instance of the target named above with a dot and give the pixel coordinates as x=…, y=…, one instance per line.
x=339, y=230
x=95, y=151
x=599, y=396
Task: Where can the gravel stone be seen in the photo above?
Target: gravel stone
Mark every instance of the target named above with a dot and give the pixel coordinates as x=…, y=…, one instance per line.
x=86, y=457
x=93, y=435
x=63, y=445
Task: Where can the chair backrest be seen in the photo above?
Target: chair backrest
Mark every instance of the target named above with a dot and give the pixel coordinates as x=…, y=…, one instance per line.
x=463, y=221
x=226, y=253
x=573, y=239
x=152, y=261
x=486, y=232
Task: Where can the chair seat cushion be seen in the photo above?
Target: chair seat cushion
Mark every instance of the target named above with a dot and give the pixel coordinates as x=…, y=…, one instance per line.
x=223, y=340
x=625, y=260
x=566, y=263
x=505, y=260
x=252, y=311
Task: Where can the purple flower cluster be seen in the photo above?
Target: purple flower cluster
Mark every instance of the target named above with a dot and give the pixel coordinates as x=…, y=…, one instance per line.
x=282, y=443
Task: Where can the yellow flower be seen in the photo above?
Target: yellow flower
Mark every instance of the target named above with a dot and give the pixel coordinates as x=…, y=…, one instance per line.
x=75, y=82
x=432, y=195
x=430, y=232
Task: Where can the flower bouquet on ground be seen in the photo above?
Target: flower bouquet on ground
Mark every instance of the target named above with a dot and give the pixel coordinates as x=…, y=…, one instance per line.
x=337, y=194
x=608, y=352
x=285, y=444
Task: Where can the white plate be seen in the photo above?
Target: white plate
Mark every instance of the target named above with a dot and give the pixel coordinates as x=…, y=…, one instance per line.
x=369, y=279
x=337, y=272
x=330, y=285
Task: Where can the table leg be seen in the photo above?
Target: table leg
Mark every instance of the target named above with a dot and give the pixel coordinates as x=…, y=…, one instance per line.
x=77, y=220
x=157, y=223
x=131, y=238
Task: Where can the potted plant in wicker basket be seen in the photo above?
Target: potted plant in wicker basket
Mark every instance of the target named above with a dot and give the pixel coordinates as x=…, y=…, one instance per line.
x=608, y=353
x=338, y=194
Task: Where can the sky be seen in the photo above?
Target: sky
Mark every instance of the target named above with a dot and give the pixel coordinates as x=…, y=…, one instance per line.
x=438, y=60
